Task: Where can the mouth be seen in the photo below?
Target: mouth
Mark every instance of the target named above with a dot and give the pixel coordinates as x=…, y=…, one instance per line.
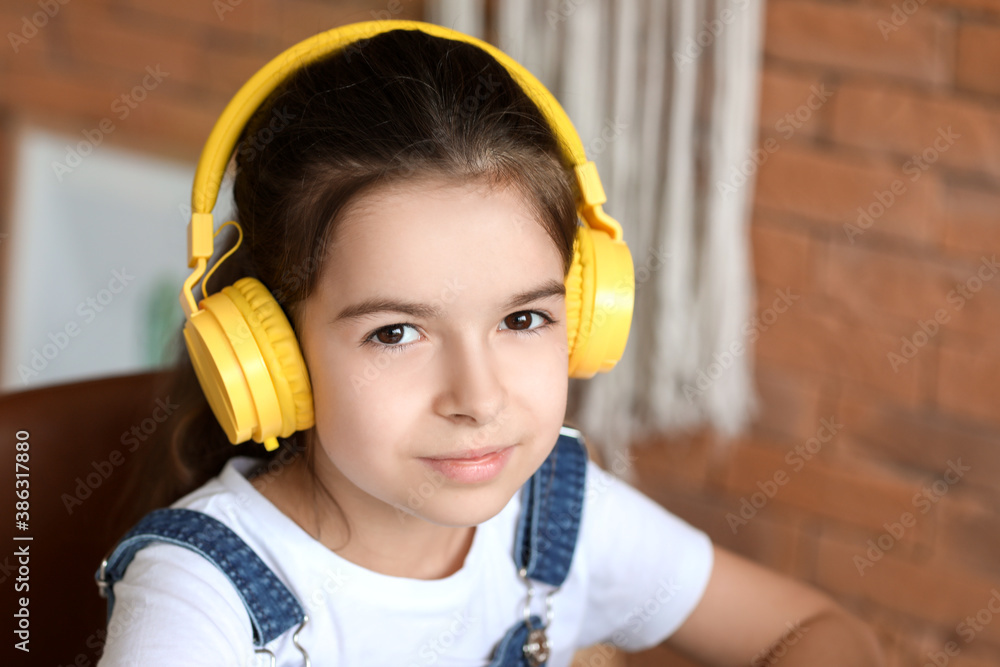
x=468, y=454
x=471, y=466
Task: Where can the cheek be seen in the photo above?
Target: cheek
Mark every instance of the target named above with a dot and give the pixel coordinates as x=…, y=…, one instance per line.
x=552, y=394
x=550, y=362
x=559, y=377
x=543, y=380
x=354, y=394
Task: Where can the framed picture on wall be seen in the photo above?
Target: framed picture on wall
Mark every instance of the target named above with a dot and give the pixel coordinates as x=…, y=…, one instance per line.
x=94, y=260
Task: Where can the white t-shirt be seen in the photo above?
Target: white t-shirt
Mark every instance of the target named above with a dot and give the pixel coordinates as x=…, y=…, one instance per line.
x=637, y=573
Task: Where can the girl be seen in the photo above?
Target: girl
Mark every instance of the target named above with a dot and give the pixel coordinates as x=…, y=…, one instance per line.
x=410, y=207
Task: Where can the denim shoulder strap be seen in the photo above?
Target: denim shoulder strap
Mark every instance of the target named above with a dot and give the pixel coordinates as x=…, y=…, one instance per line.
x=544, y=541
x=272, y=607
x=552, y=502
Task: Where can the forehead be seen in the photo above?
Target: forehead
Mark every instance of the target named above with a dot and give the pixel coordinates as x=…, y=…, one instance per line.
x=426, y=235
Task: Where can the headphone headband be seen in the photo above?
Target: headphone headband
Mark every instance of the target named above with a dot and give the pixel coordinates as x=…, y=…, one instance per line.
x=222, y=140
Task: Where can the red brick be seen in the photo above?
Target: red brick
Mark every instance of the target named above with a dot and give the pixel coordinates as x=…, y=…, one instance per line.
x=127, y=52
x=814, y=33
x=164, y=127
x=789, y=401
x=813, y=338
x=889, y=118
x=867, y=280
x=255, y=18
x=969, y=384
x=972, y=222
x=926, y=294
x=786, y=104
x=831, y=188
x=677, y=461
x=227, y=71
x=970, y=532
x=937, y=592
x=220, y=62
x=30, y=44
x=301, y=19
x=781, y=255
x=978, y=315
x=972, y=7
x=770, y=542
x=918, y=437
x=978, y=55
x=170, y=127
x=68, y=97
x=855, y=495
x=159, y=125
x=986, y=657
x=966, y=8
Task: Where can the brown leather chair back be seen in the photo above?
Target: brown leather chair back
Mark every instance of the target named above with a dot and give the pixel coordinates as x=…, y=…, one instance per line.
x=83, y=444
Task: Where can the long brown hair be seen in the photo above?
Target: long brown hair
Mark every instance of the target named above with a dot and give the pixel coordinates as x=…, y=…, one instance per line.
x=400, y=105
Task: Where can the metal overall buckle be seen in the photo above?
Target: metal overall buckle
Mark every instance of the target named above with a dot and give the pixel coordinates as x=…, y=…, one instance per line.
x=536, y=648
x=102, y=578
x=295, y=640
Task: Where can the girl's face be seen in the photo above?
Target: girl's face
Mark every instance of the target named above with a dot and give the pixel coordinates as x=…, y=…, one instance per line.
x=437, y=328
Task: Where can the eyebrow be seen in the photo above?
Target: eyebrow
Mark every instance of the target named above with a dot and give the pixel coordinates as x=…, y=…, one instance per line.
x=373, y=305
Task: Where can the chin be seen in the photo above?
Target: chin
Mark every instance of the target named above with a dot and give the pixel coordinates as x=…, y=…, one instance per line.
x=467, y=509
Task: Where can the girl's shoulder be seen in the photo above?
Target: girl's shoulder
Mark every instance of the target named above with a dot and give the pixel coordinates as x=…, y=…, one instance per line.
x=169, y=591
x=644, y=569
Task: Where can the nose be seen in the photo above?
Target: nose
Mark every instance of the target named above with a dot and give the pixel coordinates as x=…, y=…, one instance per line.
x=473, y=390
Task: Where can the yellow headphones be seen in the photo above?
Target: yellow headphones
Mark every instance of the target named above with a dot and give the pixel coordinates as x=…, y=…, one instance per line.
x=244, y=350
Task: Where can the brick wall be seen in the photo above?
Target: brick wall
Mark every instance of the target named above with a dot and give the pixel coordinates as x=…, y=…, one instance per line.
x=90, y=53
x=892, y=108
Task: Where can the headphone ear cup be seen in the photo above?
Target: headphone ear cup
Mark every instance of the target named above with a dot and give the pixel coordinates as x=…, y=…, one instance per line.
x=249, y=364
x=582, y=256
x=282, y=355
x=600, y=292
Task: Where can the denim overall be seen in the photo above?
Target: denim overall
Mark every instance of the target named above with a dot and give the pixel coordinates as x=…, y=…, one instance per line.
x=546, y=534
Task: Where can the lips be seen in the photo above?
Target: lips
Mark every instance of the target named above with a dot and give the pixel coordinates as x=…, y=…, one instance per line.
x=468, y=454
x=471, y=466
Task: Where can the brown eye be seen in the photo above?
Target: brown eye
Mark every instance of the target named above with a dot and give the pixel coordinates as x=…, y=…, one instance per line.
x=390, y=335
x=518, y=321
x=392, y=338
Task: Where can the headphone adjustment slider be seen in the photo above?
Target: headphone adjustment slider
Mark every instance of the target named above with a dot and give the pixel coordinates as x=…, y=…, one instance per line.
x=200, y=238
x=589, y=181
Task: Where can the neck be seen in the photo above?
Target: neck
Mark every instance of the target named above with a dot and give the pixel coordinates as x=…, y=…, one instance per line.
x=378, y=537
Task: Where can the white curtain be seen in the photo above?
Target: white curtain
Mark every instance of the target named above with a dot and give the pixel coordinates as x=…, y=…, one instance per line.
x=664, y=96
